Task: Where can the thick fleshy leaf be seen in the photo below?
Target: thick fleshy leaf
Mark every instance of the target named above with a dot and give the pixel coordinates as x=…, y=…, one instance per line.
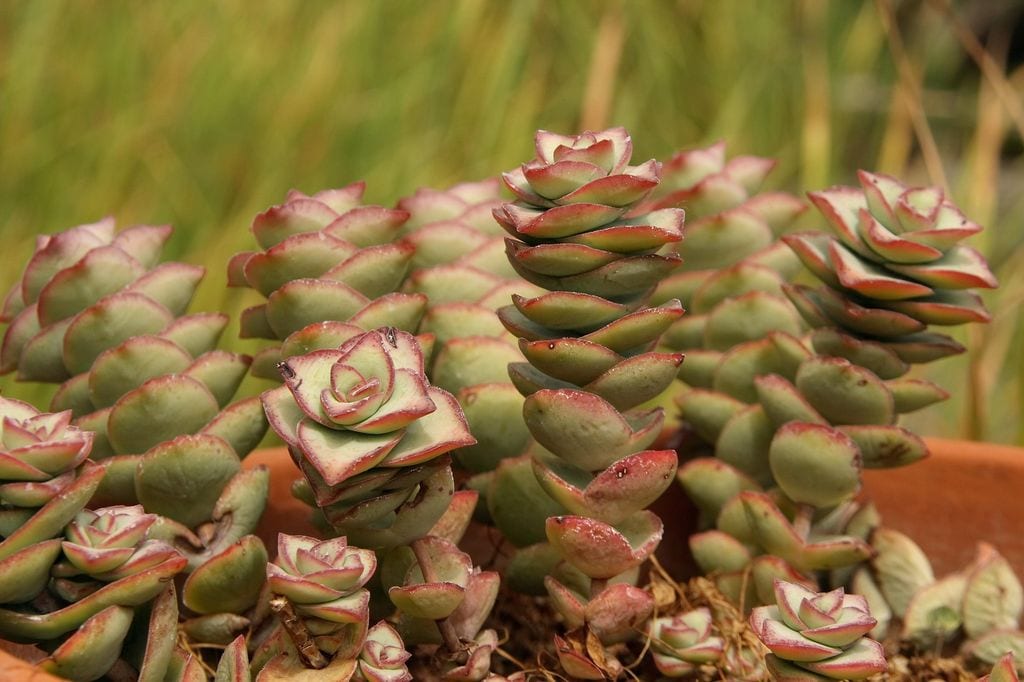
x=295, y=216
x=94, y=648
x=558, y=259
x=467, y=362
x=627, y=486
x=944, y=308
x=300, y=256
x=844, y=393
x=108, y=323
x=749, y=317
x=159, y=410
x=719, y=240
x=599, y=550
x=993, y=598
x=870, y=280
x=636, y=379
x=815, y=464
x=783, y=403
x=558, y=222
x=886, y=446
x=880, y=359
x=569, y=310
x=933, y=615
x=585, y=429
x=622, y=278
x=710, y=483
x=714, y=550
x=518, y=504
x=303, y=302
x=102, y=271
x=441, y=431
x=130, y=364
x=577, y=361
x=744, y=443
x=339, y=455
x=367, y=226
x=961, y=268
x=863, y=659
x=182, y=478
x=616, y=190
x=638, y=328
x=229, y=581
x=617, y=612
x=707, y=411
x=197, y=333
x=26, y=572
x=901, y=568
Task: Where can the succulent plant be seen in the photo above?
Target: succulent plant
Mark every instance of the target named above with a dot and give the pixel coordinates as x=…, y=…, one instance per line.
x=94, y=310
x=981, y=603
x=817, y=636
x=589, y=341
x=368, y=433
x=329, y=269
x=460, y=265
x=321, y=601
x=110, y=567
x=383, y=656
x=893, y=266
x=684, y=642
x=1003, y=671
x=45, y=480
x=800, y=416
x=731, y=242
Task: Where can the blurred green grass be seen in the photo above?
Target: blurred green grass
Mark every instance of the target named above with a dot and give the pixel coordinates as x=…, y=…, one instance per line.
x=202, y=114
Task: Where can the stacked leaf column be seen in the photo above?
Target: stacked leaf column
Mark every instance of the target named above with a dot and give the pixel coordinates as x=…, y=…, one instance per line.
x=589, y=343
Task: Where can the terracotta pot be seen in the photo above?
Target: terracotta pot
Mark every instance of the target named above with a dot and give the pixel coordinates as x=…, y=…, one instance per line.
x=963, y=493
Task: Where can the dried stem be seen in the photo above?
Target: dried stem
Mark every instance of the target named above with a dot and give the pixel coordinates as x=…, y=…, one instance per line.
x=451, y=639
x=299, y=633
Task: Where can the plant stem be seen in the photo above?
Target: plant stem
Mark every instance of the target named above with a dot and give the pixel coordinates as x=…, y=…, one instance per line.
x=802, y=520
x=451, y=639
x=299, y=633
x=597, y=586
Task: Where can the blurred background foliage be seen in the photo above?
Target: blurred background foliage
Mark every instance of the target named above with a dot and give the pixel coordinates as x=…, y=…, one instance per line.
x=201, y=114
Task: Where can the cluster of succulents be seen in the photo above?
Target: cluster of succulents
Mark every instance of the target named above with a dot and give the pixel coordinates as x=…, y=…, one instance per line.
x=463, y=358
x=978, y=606
x=793, y=414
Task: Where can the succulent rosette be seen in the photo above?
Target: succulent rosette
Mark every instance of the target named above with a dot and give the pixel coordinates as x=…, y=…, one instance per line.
x=329, y=269
x=818, y=636
x=95, y=310
x=112, y=543
x=45, y=480
x=460, y=265
x=892, y=266
x=683, y=642
x=367, y=429
x=383, y=657
x=39, y=453
x=324, y=579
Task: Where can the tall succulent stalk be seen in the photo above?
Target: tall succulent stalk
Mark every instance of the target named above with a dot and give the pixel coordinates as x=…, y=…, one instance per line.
x=795, y=417
x=589, y=344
